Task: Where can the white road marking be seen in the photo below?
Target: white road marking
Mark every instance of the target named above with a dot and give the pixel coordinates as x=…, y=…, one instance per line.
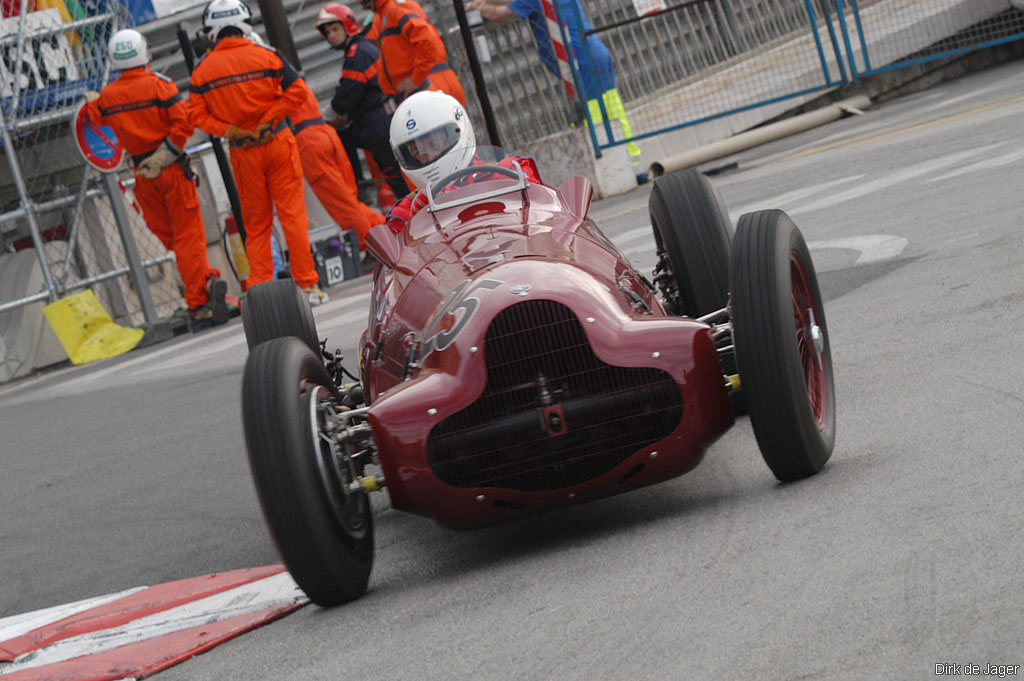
x=892, y=179
x=987, y=164
x=276, y=590
x=872, y=247
x=784, y=201
x=945, y=103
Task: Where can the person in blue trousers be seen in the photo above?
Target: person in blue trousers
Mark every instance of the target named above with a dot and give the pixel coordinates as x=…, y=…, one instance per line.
x=592, y=56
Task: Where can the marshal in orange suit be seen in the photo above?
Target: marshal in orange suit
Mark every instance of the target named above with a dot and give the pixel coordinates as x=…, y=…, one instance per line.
x=148, y=114
x=329, y=172
x=245, y=93
x=412, y=54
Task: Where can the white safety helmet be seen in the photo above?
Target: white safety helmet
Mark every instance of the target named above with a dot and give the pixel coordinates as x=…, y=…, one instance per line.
x=221, y=14
x=432, y=137
x=128, y=50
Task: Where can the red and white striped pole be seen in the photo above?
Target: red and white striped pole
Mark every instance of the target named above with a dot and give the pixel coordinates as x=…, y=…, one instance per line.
x=561, y=54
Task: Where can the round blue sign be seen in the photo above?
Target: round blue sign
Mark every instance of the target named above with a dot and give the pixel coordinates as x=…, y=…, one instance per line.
x=97, y=143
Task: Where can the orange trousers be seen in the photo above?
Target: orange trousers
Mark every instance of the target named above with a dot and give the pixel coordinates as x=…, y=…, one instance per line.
x=329, y=172
x=170, y=206
x=269, y=178
x=447, y=82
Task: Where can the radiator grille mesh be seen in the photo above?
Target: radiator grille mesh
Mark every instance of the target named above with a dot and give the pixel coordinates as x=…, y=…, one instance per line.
x=537, y=355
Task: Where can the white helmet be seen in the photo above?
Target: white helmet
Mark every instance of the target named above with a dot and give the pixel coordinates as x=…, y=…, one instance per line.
x=221, y=14
x=128, y=50
x=432, y=137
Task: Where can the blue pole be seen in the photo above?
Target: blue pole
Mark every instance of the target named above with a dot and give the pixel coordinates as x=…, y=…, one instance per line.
x=860, y=32
x=577, y=79
x=817, y=40
x=846, y=41
x=593, y=72
x=835, y=43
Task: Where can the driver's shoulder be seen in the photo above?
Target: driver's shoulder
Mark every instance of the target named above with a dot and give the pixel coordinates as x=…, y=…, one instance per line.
x=525, y=163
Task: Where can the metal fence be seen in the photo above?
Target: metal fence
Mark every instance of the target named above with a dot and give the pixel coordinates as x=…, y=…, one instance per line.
x=692, y=61
x=675, y=64
x=79, y=225
x=890, y=35
x=529, y=103
x=706, y=59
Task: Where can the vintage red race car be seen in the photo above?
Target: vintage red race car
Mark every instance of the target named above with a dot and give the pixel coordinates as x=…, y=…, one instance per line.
x=515, y=362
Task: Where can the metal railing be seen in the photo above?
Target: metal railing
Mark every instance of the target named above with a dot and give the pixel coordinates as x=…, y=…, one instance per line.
x=698, y=60
x=80, y=224
x=689, y=62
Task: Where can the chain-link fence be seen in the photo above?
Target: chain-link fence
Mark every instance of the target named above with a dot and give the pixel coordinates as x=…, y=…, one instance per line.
x=885, y=35
x=698, y=60
x=529, y=102
x=669, y=64
x=64, y=227
x=659, y=66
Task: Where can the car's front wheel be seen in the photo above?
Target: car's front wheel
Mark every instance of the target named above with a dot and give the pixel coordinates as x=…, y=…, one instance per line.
x=322, y=529
x=782, y=345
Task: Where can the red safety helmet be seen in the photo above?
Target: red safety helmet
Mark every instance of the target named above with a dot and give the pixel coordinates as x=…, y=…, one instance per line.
x=332, y=12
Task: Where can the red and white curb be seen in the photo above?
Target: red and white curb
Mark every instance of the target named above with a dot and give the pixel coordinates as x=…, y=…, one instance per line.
x=138, y=632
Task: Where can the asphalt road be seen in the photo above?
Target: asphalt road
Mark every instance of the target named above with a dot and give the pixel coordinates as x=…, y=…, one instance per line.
x=905, y=552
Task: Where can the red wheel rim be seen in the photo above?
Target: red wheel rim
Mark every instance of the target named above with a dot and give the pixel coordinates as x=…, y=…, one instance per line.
x=812, y=359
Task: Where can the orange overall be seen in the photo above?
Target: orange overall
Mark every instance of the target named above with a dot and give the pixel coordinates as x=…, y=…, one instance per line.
x=329, y=172
x=242, y=85
x=410, y=47
x=145, y=108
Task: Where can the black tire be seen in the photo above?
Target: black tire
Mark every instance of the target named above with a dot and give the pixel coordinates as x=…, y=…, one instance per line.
x=275, y=309
x=692, y=225
x=323, y=533
x=788, y=382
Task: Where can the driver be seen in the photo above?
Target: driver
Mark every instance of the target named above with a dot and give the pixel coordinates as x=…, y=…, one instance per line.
x=433, y=137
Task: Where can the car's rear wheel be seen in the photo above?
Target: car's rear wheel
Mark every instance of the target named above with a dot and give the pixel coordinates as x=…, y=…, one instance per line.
x=323, y=531
x=692, y=225
x=275, y=309
x=782, y=345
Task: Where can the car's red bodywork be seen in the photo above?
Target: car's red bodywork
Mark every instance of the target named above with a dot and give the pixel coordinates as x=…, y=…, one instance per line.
x=516, y=362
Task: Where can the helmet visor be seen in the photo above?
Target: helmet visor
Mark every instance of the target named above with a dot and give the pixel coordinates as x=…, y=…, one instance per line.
x=428, y=147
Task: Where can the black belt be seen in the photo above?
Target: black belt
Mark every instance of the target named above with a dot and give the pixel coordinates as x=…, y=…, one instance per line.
x=136, y=160
x=309, y=122
x=285, y=123
x=437, y=68
x=182, y=159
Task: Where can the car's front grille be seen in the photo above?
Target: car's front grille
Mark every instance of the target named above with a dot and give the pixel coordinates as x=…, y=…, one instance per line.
x=540, y=363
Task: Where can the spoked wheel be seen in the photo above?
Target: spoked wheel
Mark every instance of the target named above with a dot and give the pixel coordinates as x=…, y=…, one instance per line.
x=782, y=345
x=693, y=228
x=275, y=309
x=693, y=232
x=323, y=531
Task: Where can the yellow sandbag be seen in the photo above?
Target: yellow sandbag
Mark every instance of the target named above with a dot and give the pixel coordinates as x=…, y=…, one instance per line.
x=87, y=331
